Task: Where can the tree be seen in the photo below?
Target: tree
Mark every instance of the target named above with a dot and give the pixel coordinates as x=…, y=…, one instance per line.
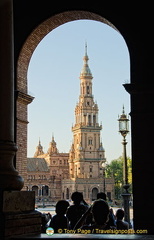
x=115, y=169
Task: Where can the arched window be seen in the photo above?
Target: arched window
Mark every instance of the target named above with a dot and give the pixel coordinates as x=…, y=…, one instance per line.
x=94, y=193
x=67, y=193
x=35, y=189
x=94, y=119
x=90, y=141
x=89, y=120
x=45, y=190
x=88, y=91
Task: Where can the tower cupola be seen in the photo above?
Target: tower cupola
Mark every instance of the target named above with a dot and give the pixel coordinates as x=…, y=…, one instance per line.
x=85, y=72
x=39, y=150
x=52, y=147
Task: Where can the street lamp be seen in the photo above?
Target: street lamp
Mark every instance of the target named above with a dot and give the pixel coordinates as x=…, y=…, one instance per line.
x=124, y=130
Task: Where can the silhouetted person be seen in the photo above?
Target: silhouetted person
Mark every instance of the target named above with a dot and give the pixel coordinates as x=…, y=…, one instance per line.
x=60, y=221
x=100, y=212
x=101, y=195
x=75, y=211
x=121, y=225
x=111, y=221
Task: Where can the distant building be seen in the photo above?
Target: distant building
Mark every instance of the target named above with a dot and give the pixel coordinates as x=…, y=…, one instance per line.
x=55, y=175
x=46, y=172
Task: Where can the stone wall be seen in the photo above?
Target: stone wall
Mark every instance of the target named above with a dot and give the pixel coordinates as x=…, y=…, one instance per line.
x=23, y=100
x=19, y=215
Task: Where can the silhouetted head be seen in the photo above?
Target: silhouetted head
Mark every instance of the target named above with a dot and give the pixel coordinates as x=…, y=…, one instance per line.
x=61, y=207
x=101, y=195
x=120, y=214
x=100, y=211
x=77, y=197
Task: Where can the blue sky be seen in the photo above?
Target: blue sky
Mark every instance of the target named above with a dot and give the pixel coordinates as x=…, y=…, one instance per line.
x=53, y=79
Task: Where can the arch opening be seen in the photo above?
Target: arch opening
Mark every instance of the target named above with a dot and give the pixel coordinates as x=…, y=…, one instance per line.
x=94, y=193
x=38, y=34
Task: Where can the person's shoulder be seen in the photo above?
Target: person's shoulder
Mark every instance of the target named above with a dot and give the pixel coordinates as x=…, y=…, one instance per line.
x=82, y=206
x=126, y=223
x=71, y=207
x=63, y=217
x=54, y=217
x=122, y=224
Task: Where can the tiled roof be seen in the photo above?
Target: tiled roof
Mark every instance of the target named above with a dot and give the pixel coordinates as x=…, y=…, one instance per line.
x=37, y=165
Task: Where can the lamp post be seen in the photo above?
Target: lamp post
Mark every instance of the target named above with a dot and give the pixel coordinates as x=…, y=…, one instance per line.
x=124, y=130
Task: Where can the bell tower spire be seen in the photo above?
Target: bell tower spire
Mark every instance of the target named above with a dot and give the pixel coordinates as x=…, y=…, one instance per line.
x=86, y=48
x=39, y=150
x=85, y=72
x=87, y=149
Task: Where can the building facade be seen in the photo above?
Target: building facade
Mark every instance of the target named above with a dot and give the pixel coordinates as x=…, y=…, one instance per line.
x=46, y=172
x=55, y=175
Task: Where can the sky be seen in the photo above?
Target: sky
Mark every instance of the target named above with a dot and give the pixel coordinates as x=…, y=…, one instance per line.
x=53, y=79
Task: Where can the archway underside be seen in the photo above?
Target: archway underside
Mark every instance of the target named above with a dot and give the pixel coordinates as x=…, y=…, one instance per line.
x=40, y=32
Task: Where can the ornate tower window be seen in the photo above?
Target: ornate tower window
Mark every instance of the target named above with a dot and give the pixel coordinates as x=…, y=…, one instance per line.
x=90, y=141
x=94, y=119
x=83, y=89
x=88, y=90
x=89, y=120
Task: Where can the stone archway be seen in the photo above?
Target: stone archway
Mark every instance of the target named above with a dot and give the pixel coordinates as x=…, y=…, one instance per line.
x=140, y=90
x=40, y=32
x=23, y=98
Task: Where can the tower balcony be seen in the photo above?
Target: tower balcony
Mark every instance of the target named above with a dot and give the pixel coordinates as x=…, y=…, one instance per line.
x=83, y=126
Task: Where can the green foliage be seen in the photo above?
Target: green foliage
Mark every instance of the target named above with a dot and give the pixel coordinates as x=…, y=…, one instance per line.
x=115, y=169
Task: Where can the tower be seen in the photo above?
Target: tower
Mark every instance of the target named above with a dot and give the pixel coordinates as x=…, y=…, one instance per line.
x=87, y=153
x=39, y=150
x=86, y=156
x=52, y=147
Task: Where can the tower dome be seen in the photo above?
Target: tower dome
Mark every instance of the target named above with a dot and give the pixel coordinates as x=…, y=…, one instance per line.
x=85, y=72
x=52, y=147
x=39, y=150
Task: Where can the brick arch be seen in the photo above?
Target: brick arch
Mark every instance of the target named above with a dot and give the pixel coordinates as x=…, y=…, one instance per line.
x=40, y=32
x=23, y=99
